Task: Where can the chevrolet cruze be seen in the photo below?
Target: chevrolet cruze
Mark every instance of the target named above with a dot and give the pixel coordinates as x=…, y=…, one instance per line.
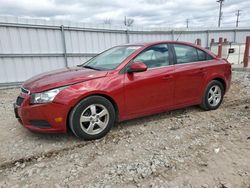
x=122, y=83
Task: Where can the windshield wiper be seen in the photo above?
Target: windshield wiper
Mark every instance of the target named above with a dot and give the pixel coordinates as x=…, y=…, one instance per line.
x=90, y=67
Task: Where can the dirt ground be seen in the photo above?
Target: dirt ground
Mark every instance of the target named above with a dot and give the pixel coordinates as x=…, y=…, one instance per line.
x=182, y=148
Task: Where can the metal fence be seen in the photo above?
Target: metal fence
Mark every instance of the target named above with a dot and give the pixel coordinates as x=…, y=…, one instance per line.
x=29, y=47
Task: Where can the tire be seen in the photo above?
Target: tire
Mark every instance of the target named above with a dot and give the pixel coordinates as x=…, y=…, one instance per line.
x=211, y=99
x=92, y=118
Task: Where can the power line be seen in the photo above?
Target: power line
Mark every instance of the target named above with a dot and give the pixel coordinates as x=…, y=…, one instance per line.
x=220, y=12
x=237, y=19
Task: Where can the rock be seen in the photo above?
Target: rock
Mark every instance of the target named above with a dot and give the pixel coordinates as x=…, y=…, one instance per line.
x=216, y=150
x=99, y=153
x=23, y=165
x=31, y=171
x=107, y=186
x=177, y=137
x=57, y=185
x=40, y=165
x=17, y=164
x=224, y=185
x=205, y=186
x=112, y=171
x=174, y=128
x=153, y=169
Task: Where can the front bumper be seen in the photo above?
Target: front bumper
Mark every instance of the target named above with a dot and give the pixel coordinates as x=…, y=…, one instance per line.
x=45, y=118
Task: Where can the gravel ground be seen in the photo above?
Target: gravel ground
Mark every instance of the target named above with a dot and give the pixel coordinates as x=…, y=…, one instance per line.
x=182, y=148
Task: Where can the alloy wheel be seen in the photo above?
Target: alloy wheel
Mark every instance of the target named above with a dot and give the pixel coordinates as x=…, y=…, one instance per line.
x=94, y=119
x=214, y=95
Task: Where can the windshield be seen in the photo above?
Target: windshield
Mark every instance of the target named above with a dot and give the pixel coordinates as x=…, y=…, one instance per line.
x=111, y=58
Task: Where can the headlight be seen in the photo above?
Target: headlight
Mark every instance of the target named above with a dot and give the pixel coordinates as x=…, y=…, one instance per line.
x=45, y=97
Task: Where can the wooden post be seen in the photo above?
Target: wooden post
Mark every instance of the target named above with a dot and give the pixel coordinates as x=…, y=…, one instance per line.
x=246, y=54
x=211, y=43
x=198, y=42
x=220, y=47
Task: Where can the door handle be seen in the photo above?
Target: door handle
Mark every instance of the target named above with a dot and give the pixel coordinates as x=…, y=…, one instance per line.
x=167, y=77
x=200, y=71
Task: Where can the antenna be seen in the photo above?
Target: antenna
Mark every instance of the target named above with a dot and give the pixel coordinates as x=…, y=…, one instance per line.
x=179, y=35
x=187, y=22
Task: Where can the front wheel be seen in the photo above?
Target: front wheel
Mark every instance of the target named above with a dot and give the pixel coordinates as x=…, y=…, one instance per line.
x=213, y=95
x=92, y=118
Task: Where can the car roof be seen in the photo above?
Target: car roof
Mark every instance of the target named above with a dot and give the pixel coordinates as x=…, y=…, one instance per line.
x=150, y=43
x=147, y=44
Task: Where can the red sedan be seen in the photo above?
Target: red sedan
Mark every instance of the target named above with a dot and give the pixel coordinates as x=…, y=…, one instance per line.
x=122, y=83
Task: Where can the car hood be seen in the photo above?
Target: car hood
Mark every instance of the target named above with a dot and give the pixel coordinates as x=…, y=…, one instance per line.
x=61, y=77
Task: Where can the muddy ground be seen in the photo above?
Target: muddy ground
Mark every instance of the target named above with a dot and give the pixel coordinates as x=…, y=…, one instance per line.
x=182, y=148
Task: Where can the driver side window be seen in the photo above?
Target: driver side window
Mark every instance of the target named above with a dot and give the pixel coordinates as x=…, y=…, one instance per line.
x=155, y=56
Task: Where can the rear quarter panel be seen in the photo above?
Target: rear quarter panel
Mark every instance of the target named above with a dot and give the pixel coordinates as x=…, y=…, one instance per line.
x=218, y=69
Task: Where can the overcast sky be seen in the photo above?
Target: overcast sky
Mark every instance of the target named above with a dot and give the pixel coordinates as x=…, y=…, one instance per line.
x=161, y=13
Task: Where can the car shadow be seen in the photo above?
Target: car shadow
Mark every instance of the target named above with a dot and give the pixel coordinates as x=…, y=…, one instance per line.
x=146, y=120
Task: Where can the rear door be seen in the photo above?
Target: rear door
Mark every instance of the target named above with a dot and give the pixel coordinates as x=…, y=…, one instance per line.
x=190, y=73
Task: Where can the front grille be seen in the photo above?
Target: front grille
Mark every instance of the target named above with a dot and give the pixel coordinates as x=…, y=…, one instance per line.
x=23, y=90
x=19, y=101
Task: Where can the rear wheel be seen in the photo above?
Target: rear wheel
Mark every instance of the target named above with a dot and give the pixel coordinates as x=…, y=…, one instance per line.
x=92, y=118
x=213, y=95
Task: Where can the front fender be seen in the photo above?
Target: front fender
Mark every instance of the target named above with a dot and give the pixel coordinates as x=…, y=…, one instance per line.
x=109, y=88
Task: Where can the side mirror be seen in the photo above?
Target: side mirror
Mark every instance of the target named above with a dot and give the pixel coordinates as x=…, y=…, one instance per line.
x=137, y=66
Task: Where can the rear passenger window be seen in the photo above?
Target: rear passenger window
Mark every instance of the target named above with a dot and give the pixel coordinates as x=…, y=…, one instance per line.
x=203, y=56
x=187, y=54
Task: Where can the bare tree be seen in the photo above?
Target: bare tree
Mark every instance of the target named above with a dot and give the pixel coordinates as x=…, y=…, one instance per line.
x=107, y=21
x=128, y=21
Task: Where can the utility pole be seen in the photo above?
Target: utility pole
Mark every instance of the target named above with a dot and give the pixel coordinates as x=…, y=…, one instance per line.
x=187, y=22
x=238, y=15
x=220, y=13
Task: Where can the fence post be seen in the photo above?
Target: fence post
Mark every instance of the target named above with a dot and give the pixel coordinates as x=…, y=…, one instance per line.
x=198, y=42
x=220, y=47
x=246, y=54
x=207, y=41
x=235, y=36
x=127, y=36
x=172, y=34
x=211, y=43
x=64, y=47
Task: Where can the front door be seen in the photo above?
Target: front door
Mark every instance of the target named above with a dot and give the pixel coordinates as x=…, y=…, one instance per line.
x=152, y=89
